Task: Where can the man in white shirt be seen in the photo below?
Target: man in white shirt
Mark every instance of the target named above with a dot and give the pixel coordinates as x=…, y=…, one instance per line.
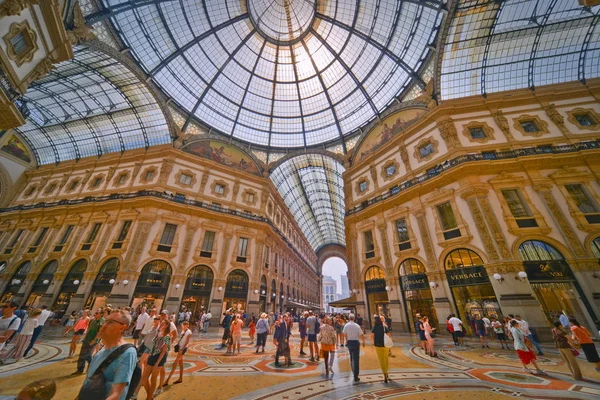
x=148, y=324
x=458, y=331
x=524, y=327
x=9, y=323
x=206, y=323
x=311, y=330
x=354, y=333
x=140, y=323
x=38, y=330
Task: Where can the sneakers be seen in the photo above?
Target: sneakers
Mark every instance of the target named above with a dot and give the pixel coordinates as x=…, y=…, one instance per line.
x=311, y=359
x=357, y=379
x=77, y=373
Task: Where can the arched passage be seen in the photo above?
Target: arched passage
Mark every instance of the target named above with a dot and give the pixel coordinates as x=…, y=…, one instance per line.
x=470, y=285
x=41, y=284
x=152, y=285
x=197, y=290
x=553, y=282
x=16, y=281
x=236, y=291
x=70, y=285
x=416, y=293
x=102, y=286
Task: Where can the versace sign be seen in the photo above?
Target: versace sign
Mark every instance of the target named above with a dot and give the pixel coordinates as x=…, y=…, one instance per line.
x=544, y=271
x=375, y=286
x=414, y=282
x=467, y=276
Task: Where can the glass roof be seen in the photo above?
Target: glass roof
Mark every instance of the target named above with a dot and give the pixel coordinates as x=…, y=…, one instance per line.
x=313, y=189
x=494, y=46
x=89, y=106
x=280, y=73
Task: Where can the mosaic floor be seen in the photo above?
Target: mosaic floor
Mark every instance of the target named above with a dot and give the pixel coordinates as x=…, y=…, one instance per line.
x=468, y=373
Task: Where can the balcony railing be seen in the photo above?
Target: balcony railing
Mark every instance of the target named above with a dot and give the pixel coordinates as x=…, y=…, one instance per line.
x=159, y=195
x=487, y=156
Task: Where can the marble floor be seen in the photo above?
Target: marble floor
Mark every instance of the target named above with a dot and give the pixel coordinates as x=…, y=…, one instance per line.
x=465, y=373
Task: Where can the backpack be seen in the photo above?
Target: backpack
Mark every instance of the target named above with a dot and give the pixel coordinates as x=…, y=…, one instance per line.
x=96, y=387
x=317, y=326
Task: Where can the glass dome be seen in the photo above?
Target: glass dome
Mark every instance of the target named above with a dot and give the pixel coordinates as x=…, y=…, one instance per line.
x=280, y=73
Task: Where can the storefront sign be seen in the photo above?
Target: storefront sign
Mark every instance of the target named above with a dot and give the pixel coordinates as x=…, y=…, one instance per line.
x=414, y=282
x=545, y=271
x=467, y=276
x=375, y=286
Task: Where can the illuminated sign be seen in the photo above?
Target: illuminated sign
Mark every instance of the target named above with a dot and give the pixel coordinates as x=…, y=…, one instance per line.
x=414, y=282
x=467, y=276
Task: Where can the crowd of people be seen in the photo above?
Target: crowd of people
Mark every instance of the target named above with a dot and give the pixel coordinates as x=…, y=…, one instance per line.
x=127, y=368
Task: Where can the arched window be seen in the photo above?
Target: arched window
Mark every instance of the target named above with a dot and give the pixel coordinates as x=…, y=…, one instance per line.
x=411, y=266
x=23, y=270
x=596, y=247
x=374, y=273
x=237, y=284
x=199, y=279
x=75, y=274
x=156, y=275
x=107, y=272
x=463, y=258
x=47, y=274
x=18, y=277
x=263, y=286
x=535, y=250
x=273, y=288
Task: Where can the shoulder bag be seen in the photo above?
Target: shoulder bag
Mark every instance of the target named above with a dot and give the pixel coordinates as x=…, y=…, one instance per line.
x=387, y=341
x=95, y=388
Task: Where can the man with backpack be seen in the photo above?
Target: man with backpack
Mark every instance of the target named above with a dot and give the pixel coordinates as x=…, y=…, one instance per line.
x=113, y=373
x=9, y=323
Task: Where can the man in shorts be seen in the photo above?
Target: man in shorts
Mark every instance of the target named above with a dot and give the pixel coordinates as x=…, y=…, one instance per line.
x=311, y=330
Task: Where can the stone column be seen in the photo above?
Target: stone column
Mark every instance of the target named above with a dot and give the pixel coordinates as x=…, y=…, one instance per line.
x=426, y=239
x=216, y=304
x=83, y=292
x=174, y=294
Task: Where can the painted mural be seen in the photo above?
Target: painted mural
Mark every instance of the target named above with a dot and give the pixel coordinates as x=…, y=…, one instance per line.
x=223, y=153
x=17, y=149
x=387, y=128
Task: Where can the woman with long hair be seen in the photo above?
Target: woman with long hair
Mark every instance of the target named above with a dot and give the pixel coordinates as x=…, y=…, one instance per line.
x=78, y=331
x=430, y=340
x=236, y=333
x=252, y=329
x=327, y=337
x=157, y=359
x=379, y=331
x=181, y=349
x=523, y=351
x=584, y=338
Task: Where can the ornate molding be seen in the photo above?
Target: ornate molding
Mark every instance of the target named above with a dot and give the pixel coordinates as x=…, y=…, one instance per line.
x=555, y=116
x=487, y=130
x=80, y=32
x=222, y=183
x=449, y=133
x=187, y=172
x=424, y=142
x=427, y=244
x=502, y=123
x=560, y=219
x=541, y=125
x=571, y=117
x=482, y=228
x=497, y=233
x=384, y=175
x=29, y=37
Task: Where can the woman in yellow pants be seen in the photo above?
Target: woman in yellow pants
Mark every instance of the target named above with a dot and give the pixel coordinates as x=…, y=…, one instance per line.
x=379, y=331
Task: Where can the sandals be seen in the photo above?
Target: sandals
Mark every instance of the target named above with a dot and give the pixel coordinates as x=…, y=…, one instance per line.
x=177, y=381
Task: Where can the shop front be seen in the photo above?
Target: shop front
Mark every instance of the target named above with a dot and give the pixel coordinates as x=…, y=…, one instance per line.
x=197, y=290
x=471, y=288
x=152, y=285
x=69, y=287
x=236, y=291
x=377, y=296
x=553, y=282
x=41, y=284
x=103, y=284
x=416, y=293
x=16, y=282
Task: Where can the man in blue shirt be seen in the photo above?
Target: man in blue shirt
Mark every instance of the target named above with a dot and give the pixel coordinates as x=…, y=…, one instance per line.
x=119, y=372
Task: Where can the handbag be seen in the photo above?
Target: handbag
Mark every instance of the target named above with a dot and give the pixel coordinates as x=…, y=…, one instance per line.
x=575, y=352
x=387, y=341
x=528, y=343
